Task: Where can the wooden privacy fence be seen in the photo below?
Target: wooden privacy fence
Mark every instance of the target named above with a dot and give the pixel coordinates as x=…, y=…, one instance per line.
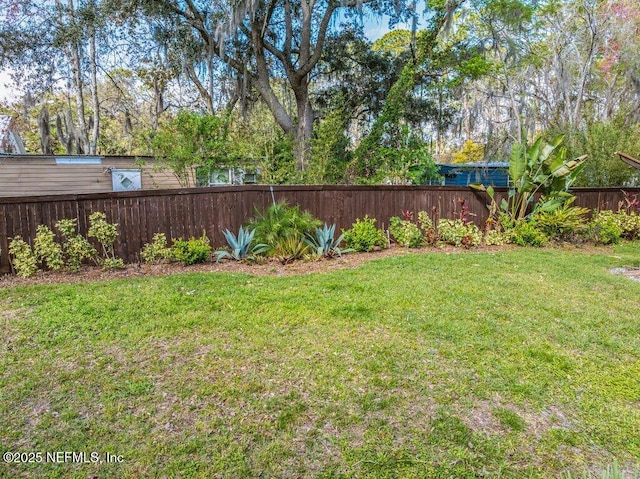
x=187, y=212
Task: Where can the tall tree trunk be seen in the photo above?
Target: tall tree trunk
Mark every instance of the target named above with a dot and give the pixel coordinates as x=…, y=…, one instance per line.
x=78, y=84
x=158, y=104
x=95, y=134
x=304, y=127
x=45, y=131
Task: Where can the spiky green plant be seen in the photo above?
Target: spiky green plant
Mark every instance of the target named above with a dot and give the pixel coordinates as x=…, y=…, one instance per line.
x=241, y=245
x=323, y=242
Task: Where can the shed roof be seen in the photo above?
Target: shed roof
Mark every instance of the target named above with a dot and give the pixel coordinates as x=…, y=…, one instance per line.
x=490, y=164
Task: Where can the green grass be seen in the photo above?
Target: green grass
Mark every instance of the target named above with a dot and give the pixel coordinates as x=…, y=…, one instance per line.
x=524, y=363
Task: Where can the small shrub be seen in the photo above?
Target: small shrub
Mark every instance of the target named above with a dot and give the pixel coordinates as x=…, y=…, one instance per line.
x=46, y=249
x=562, y=224
x=192, y=251
x=629, y=224
x=76, y=248
x=495, y=238
x=607, y=227
x=24, y=260
x=457, y=233
x=156, y=251
x=604, y=228
x=280, y=222
x=525, y=233
x=428, y=230
x=106, y=234
x=112, y=263
x=364, y=236
x=405, y=232
x=424, y=221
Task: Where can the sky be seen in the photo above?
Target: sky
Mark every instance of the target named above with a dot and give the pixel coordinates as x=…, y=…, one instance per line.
x=5, y=92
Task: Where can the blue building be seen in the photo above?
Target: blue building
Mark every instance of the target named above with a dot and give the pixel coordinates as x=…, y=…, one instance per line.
x=495, y=174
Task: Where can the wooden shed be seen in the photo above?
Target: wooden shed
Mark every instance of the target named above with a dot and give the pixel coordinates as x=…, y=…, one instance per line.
x=30, y=175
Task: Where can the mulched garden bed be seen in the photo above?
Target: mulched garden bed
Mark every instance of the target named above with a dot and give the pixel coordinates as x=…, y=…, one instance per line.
x=267, y=268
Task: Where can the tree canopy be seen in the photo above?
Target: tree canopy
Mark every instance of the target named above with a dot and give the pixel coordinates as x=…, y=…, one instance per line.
x=304, y=92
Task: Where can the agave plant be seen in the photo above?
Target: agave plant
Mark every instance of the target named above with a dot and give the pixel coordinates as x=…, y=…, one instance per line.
x=323, y=243
x=240, y=245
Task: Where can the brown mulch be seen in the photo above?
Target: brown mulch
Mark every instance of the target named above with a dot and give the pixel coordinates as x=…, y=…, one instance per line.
x=270, y=268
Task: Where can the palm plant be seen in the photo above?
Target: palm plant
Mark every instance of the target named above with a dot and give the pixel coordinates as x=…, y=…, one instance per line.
x=240, y=245
x=281, y=222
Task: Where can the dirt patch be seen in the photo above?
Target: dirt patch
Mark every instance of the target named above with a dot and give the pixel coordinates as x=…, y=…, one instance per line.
x=631, y=273
x=481, y=418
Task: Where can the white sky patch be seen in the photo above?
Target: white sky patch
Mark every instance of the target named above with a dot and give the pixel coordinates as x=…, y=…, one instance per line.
x=8, y=91
x=376, y=28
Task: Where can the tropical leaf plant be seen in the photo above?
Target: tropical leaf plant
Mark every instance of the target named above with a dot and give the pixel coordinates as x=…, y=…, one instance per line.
x=241, y=245
x=540, y=169
x=323, y=242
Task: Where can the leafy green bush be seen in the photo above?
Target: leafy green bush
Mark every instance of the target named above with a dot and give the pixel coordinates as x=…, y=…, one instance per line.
x=24, y=260
x=279, y=223
x=604, y=228
x=525, y=233
x=193, y=250
x=495, y=238
x=364, y=236
x=76, y=248
x=428, y=230
x=540, y=168
x=46, y=249
x=156, y=251
x=189, y=139
x=457, y=233
x=106, y=234
x=405, y=232
x=424, y=220
x=112, y=263
x=562, y=224
x=629, y=224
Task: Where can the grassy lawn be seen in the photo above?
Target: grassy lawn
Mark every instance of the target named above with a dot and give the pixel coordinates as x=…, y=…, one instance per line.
x=524, y=363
